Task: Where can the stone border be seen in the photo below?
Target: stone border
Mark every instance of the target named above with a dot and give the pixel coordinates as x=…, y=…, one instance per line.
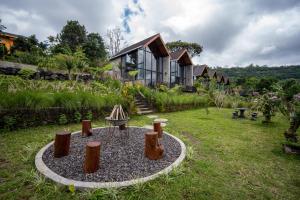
x=43, y=169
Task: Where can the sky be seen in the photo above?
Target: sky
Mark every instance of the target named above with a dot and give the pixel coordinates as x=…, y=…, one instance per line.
x=232, y=32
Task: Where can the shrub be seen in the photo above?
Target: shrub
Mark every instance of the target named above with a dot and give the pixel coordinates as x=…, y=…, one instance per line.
x=77, y=117
x=26, y=73
x=89, y=115
x=9, y=122
x=62, y=119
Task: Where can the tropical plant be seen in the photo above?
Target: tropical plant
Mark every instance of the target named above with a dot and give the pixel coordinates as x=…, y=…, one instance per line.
x=268, y=104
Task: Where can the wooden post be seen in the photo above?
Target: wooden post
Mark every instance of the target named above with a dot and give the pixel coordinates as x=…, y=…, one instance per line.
x=153, y=150
x=92, y=157
x=62, y=144
x=157, y=128
x=86, y=128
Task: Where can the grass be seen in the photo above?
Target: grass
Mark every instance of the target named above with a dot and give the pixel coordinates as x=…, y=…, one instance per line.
x=227, y=159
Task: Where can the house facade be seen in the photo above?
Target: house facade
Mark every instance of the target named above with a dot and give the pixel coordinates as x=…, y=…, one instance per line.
x=7, y=39
x=153, y=64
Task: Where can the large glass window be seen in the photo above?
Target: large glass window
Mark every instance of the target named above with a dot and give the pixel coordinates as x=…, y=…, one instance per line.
x=178, y=73
x=149, y=67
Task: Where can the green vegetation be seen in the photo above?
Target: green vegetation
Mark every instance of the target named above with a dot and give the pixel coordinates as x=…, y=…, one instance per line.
x=280, y=72
x=227, y=159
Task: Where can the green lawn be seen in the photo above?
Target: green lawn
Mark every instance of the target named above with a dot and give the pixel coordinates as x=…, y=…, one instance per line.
x=227, y=159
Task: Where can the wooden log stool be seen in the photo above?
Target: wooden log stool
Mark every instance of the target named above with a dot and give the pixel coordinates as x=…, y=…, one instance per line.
x=62, y=144
x=86, y=128
x=92, y=157
x=157, y=128
x=153, y=150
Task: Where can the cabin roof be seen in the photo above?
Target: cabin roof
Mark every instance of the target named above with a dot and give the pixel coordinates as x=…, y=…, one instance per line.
x=182, y=56
x=200, y=70
x=155, y=44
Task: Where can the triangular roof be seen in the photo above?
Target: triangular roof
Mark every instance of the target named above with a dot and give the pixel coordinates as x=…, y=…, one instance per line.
x=226, y=80
x=182, y=56
x=152, y=42
x=200, y=70
x=212, y=74
x=220, y=78
x=10, y=34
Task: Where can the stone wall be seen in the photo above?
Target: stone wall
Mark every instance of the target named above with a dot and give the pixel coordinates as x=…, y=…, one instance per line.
x=11, y=68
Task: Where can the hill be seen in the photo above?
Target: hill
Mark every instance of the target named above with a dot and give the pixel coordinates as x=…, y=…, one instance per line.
x=282, y=72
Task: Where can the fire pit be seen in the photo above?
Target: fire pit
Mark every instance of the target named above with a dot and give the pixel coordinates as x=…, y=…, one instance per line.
x=117, y=118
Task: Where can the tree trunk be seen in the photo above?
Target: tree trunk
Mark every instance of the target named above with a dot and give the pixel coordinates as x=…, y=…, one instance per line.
x=153, y=150
x=157, y=128
x=62, y=144
x=92, y=157
x=86, y=128
x=291, y=134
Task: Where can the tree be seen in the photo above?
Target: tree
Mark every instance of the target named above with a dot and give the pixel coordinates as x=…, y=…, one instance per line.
x=94, y=47
x=67, y=62
x=115, y=38
x=194, y=49
x=28, y=44
x=265, y=84
x=2, y=27
x=72, y=35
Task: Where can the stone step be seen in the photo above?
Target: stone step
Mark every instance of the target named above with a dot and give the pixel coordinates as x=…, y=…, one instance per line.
x=144, y=112
x=144, y=108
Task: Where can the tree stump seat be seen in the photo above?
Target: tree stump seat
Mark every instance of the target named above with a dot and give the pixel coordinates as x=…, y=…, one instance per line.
x=157, y=128
x=92, y=157
x=62, y=144
x=86, y=128
x=153, y=150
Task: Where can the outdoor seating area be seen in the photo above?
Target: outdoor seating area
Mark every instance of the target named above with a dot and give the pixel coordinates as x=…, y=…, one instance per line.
x=104, y=155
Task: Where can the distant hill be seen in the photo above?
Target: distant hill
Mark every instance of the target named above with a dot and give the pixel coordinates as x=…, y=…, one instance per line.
x=283, y=72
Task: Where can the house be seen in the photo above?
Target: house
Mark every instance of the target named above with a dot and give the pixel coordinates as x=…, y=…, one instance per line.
x=212, y=74
x=226, y=80
x=220, y=79
x=181, y=68
x=200, y=71
x=7, y=39
x=154, y=64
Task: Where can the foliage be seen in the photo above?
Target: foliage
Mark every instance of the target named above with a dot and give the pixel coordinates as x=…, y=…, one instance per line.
x=89, y=115
x=133, y=74
x=77, y=117
x=72, y=35
x=94, y=47
x=268, y=104
x=47, y=63
x=2, y=27
x=26, y=73
x=172, y=99
x=67, y=62
x=62, y=119
x=9, y=122
x=3, y=51
x=278, y=72
x=26, y=57
x=194, y=49
x=28, y=44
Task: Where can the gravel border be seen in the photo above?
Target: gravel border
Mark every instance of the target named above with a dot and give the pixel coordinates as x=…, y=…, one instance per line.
x=43, y=169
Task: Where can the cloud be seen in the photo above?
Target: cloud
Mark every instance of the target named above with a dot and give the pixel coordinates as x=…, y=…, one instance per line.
x=232, y=32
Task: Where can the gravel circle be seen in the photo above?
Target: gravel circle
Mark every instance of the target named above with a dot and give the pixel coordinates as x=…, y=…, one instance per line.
x=121, y=157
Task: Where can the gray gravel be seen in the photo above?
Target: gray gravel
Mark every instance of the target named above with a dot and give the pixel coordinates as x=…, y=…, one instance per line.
x=121, y=158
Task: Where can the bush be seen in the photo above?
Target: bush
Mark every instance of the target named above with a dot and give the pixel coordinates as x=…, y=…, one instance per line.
x=77, y=117
x=9, y=122
x=89, y=115
x=26, y=73
x=62, y=119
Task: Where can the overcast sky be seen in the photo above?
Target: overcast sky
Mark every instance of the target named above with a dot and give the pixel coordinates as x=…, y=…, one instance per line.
x=233, y=32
